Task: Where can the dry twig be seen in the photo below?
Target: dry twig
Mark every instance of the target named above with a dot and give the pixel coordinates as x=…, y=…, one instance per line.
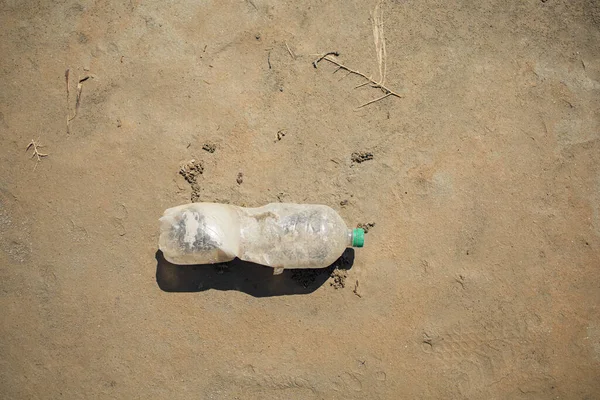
x=322, y=56
x=77, y=97
x=67, y=81
x=369, y=80
x=252, y=4
x=373, y=101
x=379, y=39
x=36, y=153
x=68, y=101
x=381, y=53
x=290, y=51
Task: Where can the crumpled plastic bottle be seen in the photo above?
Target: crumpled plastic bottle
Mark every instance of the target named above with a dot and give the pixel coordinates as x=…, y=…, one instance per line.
x=279, y=235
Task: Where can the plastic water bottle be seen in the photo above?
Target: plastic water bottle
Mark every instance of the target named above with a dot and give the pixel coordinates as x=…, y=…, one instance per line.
x=279, y=235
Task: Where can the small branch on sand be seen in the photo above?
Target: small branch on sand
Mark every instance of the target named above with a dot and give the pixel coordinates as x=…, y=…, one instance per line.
x=332, y=53
x=377, y=99
x=68, y=101
x=379, y=39
x=36, y=153
x=371, y=81
x=77, y=97
x=290, y=51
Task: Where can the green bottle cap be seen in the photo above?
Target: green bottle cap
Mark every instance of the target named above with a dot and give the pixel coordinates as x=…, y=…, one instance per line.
x=358, y=237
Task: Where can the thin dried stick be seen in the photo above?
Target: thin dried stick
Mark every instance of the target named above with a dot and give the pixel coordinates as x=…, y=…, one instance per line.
x=78, y=97
x=290, y=51
x=362, y=84
x=377, y=99
x=355, y=291
x=374, y=83
x=379, y=40
x=68, y=101
x=252, y=4
x=322, y=56
x=67, y=81
x=36, y=152
x=345, y=76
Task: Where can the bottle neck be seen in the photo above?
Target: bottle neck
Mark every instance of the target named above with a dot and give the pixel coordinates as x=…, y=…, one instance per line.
x=356, y=238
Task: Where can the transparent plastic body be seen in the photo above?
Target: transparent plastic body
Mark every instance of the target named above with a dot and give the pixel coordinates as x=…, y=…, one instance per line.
x=279, y=235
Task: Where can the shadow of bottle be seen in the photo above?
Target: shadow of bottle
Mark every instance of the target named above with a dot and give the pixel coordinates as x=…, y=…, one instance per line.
x=253, y=279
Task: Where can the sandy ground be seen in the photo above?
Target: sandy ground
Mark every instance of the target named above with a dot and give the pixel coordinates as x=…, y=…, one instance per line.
x=480, y=278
